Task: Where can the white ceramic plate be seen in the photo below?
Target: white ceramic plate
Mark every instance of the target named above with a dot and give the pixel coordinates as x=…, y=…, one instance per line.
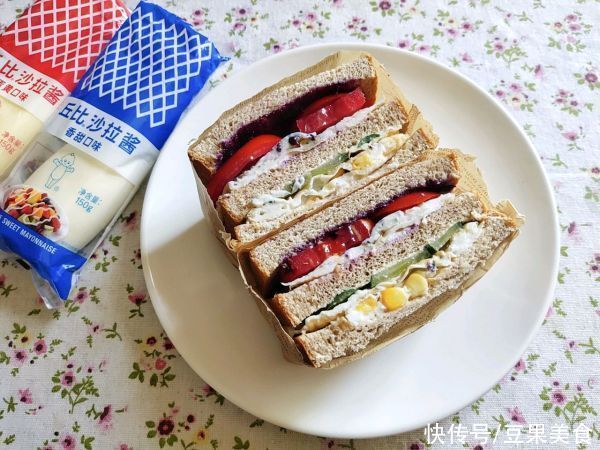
x=203, y=306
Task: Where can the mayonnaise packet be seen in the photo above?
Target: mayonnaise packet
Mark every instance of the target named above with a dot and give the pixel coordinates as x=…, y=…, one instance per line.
x=43, y=54
x=74, y=180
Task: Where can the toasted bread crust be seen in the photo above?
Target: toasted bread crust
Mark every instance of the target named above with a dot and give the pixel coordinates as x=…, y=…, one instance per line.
x=331, y=346
x=249, y=234
x=389, y=115
x=294, y=306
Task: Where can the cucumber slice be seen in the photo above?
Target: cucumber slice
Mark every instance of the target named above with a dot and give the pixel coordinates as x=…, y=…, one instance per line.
x=340, y=298
x=368, y=138
x=440, y=242
x=397, y=269
x=430, y=249
x=330, y=165
x=326, y=168
x=323, y=169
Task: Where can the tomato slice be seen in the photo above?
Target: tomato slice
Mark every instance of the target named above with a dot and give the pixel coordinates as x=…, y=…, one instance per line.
x=318, y=104
x=330, y=246
x=318, y=117
x=241, y=160
x=346, y=237
x=336, y=243
x=361, y=229
x=405, y=202
x=300, y=264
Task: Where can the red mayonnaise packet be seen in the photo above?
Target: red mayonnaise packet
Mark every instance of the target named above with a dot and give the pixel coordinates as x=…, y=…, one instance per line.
x=43, y=54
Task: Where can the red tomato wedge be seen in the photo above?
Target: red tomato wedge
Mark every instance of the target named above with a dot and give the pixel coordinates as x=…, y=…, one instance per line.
x=329, y=247
x=318, y=104
x=405, y=202
x=321, y=114
x=241, y=160
x=307, y=260
x=300, y=264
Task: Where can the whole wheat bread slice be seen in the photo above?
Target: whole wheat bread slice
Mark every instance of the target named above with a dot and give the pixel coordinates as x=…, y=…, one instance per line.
x=390, y=115
x=338, y=339
x=294, y=306
x=360, y=71
x=265, y=258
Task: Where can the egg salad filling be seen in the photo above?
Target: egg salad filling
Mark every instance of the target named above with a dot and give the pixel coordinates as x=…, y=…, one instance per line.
x=334, y=177
x=393, y=288
x=390, y=228
x=293, y=144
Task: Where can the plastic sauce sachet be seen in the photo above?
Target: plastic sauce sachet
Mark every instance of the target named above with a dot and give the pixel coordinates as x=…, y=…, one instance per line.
x=43, y=54
x=72, y=183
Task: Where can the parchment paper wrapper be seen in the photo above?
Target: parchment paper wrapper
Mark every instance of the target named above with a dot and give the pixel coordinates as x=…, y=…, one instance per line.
x=386, y=90
x=211, y=213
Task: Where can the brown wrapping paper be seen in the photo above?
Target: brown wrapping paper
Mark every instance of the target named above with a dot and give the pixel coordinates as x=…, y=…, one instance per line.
x=209, y=211
x=470, y=180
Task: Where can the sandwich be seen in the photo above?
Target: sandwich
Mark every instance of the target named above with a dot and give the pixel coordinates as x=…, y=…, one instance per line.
x=381, y=260
x=349, y=227
x=304, y=143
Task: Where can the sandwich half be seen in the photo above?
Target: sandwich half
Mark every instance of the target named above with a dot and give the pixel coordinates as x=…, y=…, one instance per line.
x=304, y=142
x=382, y=258
x=383, y=140
x=275, y=110
x=398, y=292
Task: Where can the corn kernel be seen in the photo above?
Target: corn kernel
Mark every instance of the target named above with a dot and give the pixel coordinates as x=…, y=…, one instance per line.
x=367, y=305
x=416, y=284
x=362, y=161
x=393, y=298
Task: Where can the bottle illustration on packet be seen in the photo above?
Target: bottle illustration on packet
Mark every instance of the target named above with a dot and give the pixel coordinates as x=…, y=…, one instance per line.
x=78, y=175
x=43, y=54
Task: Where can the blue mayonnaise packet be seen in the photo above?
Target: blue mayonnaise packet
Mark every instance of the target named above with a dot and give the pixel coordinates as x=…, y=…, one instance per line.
x=72, y=183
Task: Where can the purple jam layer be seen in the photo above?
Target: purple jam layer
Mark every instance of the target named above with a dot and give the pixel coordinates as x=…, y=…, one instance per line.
x=281, y=121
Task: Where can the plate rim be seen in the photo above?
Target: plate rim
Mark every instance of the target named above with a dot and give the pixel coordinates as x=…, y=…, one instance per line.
x=357, y=46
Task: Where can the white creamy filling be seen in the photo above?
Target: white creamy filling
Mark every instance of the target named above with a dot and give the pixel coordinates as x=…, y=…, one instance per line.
x=280, y=152
x=385, y=229
x=277, y=156
x=356, y=316
x=326, y=267
x=464, y=238
x=389, y=228
x=370, y=157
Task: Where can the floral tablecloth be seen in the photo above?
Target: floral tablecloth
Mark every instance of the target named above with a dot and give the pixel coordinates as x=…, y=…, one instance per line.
x=100, y=373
